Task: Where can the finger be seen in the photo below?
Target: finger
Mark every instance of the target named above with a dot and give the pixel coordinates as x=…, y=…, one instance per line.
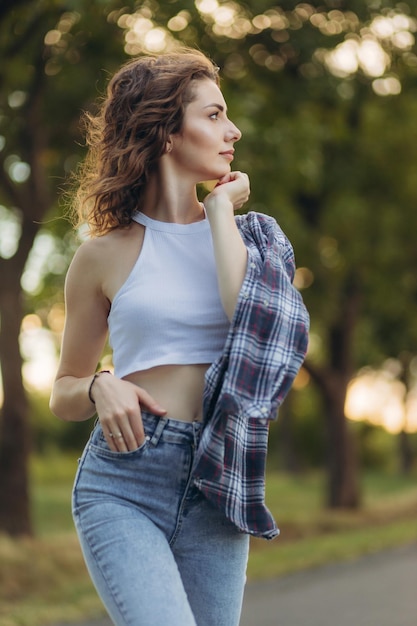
x=128, y=431
x=123, y=439
x=224, y=179
x=230, y=177
x=119, y=437
x=138, y=433
x=134, y=433
x=108, y=434
x=119, y=441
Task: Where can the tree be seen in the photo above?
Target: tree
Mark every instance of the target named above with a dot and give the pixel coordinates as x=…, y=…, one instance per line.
x=52, y=70
x=324, y=94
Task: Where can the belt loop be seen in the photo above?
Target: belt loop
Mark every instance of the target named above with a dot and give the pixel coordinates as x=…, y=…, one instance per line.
x=158, y=431
x=196, y=433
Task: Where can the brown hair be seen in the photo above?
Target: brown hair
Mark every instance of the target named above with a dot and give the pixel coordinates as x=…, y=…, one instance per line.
x=145, y=103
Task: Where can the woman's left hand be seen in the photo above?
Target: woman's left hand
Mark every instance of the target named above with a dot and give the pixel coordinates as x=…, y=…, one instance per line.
x=233, y=187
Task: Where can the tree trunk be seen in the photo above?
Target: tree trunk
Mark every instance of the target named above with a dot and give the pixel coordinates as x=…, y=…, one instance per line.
x=333, y=380
x=15, y=516
x=33, y=200
x=343, y=483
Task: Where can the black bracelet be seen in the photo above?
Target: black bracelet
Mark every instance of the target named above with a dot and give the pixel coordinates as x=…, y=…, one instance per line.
x=96, y=375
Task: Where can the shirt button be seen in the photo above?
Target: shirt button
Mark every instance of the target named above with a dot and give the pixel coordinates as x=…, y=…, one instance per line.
x=266, y=302
x=264, y=410
x=246, y=294
x=253, y=265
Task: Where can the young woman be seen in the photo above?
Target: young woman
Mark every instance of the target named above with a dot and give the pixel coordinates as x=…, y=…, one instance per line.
x=166, y=494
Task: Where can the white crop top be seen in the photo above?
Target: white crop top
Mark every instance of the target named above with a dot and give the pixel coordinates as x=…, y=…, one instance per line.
x=169, y=309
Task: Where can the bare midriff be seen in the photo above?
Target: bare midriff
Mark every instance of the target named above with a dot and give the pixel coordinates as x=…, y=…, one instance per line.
x=177, y=388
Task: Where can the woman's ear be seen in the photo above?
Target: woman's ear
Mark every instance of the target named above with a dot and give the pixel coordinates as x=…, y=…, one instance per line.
x=168, y=146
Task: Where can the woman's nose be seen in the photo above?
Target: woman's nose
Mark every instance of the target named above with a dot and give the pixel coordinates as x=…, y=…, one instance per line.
x=234, y=132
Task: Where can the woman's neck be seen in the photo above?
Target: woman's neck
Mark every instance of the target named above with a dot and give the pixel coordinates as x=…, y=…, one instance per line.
x=171, y=201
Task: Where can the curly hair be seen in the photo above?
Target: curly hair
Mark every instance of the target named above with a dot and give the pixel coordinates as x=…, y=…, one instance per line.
x=145, y=104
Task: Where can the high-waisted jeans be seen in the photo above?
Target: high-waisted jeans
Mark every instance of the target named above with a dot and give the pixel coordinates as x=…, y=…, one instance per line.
x=158, y=552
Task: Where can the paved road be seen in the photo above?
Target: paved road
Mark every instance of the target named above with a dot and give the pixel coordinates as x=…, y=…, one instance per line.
x=377, y=590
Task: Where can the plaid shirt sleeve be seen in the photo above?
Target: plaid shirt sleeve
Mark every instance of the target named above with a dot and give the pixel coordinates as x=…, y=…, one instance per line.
x=264, y=350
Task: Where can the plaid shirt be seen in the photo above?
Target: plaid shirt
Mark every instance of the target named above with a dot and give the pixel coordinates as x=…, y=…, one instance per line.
x=264, y=350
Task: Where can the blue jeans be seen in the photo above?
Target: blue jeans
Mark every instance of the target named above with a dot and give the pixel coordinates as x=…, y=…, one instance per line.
x=157, y=551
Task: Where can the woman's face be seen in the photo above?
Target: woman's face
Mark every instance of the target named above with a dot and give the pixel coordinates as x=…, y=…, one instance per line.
x=204, y=147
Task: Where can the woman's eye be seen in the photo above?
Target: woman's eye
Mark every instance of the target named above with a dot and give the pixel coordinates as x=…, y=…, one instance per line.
x=214, y=116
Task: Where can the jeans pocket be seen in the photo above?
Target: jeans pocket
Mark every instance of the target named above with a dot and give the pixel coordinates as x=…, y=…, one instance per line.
x=100, y=447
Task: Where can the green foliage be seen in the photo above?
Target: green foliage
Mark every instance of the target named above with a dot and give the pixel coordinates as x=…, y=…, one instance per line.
x=51, y=434
x=378, y=449
x=305, y=444
x=297, y=437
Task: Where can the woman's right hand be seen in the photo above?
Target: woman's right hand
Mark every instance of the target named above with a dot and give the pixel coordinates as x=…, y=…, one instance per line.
x=118, y=405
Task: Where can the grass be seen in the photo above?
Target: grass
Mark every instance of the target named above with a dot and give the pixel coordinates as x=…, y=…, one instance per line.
x=44, y=581
x=312, y=535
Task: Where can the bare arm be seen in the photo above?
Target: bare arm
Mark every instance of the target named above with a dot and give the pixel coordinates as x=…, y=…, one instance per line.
x=230, y=252
x=117, y=402
x=83, y=340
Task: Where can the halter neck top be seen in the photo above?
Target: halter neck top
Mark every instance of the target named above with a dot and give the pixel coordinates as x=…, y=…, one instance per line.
x=168, y=311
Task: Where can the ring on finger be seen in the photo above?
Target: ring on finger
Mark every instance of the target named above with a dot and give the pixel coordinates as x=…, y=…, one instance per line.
x=119, y=435
x=111, y=435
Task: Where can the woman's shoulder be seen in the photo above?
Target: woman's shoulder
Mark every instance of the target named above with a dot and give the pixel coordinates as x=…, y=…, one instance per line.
x=104, y=262
x=105, y=247
x=97, y=254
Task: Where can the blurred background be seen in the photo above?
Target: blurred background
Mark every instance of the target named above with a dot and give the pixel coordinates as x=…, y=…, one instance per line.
x=325, y=94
